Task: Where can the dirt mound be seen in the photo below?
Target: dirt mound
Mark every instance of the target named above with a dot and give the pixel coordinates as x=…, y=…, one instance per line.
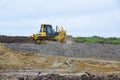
x=25, y=39
x=69, y=39
x=10, y=59
x=93, y=50
x=15, y=39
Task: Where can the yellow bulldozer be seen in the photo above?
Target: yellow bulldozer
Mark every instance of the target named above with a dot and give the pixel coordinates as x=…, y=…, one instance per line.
x=48, y=33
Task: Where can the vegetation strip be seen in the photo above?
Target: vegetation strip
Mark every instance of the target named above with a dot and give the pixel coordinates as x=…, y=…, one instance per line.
x=97, y=39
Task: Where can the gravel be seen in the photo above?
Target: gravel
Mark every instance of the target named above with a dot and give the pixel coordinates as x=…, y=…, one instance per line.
x=94, y=50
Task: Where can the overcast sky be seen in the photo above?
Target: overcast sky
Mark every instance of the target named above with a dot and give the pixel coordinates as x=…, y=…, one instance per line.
x=78, y=17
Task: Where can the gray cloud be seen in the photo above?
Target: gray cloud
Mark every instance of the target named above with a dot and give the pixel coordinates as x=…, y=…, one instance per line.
x=79, y=17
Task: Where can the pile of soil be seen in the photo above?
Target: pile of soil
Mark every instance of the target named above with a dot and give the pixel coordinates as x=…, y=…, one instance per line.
x=84, y=50
x=12, y=60
x=69, y=49
x=15, y=39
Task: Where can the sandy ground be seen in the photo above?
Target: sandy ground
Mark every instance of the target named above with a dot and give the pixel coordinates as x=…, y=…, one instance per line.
x=13, y=60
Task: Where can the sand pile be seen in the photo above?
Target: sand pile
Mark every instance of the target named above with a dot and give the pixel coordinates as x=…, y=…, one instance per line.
x=10, y=59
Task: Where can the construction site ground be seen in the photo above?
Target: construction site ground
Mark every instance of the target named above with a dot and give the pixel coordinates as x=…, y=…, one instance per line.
x=66, y=59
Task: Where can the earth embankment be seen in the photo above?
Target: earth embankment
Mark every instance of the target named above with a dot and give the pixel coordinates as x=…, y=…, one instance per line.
x=92, y=50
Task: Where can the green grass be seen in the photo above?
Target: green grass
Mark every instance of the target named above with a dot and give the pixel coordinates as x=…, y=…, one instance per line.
x=97, y=39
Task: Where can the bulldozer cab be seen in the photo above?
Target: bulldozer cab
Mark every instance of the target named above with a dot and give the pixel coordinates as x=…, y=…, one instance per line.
x=48, y=30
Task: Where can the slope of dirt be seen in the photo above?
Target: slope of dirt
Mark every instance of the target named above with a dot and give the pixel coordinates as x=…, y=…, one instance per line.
x=70, y=48
x=12, y=60
x=93, y=50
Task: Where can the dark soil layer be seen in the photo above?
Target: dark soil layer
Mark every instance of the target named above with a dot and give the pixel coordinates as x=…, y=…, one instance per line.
x=15, y=39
